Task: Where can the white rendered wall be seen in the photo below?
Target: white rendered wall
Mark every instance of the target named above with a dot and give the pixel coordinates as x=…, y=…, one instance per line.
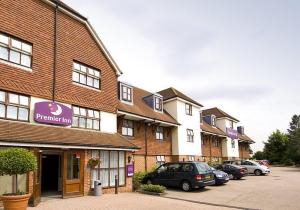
x=180, y=145
x=108, y=122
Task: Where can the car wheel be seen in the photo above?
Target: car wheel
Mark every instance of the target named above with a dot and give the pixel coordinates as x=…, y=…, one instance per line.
x=186, y=186
x=149, y=181
x=257, y=172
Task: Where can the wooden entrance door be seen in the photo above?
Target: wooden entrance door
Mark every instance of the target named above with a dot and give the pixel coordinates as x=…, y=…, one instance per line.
x=36, y=195
x=73, y=173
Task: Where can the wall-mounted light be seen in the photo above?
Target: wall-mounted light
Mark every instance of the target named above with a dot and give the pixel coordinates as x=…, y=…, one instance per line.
x=130, y=158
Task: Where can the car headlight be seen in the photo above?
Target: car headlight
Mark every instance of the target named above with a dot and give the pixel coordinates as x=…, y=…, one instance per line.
x=219, y=176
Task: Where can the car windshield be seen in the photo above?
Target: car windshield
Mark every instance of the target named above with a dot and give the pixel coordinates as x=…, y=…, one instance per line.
x=203, y=167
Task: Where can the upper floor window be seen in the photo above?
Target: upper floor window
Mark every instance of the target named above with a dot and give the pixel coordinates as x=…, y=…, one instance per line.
x=14, y=106
x=86, y=75
x=127, y=128
x=126, y=93
x=86, y=118
x=232, y=144
x=190, y=135
x=15, y=51
x=159, y=133
x=157, y=103
x=213, y=120
x=216, y=143
x=188, y=109
x=231, y=124
x=160, y=159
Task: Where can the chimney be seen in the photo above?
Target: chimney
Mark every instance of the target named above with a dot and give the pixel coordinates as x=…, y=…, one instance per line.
x=240, y=130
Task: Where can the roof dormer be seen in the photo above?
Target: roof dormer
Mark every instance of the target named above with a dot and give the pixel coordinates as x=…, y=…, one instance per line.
x=211, y=120
x=155, y=101
x=125, y=93
x=241, y=130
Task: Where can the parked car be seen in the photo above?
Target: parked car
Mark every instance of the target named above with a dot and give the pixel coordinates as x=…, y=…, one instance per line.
x=252, y=166
x=233, y=171
x=186, y=175
x=220, y=176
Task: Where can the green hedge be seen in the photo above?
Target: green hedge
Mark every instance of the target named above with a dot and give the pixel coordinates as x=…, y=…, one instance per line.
x=153, y=188
x=137, y=179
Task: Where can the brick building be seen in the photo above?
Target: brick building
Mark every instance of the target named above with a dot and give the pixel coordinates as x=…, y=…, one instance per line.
x=143, y=120
x=58, y=98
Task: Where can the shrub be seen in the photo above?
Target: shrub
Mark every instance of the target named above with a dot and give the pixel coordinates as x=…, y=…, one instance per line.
x=14, y=161
x=137, y=179
x=153, y=188
x=289, y=162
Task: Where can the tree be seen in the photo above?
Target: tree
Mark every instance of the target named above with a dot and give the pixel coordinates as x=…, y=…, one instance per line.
x=293, y=144
x=275, y=147
x=259, y=155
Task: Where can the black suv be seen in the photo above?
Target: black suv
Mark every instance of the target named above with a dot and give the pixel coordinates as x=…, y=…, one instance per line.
x=187, y=175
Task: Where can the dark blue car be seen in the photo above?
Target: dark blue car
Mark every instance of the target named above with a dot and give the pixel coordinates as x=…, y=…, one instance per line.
x=220, y=176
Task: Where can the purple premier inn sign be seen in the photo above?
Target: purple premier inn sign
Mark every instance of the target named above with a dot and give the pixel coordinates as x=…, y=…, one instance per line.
x=130, y=170
x=53, y=113
x=231, y=133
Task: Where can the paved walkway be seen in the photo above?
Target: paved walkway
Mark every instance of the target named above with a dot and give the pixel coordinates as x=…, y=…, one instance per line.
x=122, y=201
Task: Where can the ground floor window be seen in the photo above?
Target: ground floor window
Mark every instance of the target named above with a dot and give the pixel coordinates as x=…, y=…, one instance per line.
x=112, y=163
x=191, y=158
x=160, y=159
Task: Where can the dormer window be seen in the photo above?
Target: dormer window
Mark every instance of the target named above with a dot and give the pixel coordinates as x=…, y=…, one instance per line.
x=126, y=93
x=213, y=120
x=158, y=103
x=188, y=109
x=231, y=124
x=201, y=118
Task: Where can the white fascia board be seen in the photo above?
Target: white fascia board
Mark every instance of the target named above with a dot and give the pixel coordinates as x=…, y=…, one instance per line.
x=227, y=118
x=182, y=100
x=94, y=35
x=146, y=118
x=16, y=144
x=213, y=134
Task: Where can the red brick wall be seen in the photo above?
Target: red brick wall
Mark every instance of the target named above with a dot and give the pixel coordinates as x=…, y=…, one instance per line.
x=244, y=152
x=209, y=149
x=33, y=21
x=155, y=147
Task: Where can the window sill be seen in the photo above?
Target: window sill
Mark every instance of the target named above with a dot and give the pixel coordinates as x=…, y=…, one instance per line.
x=16, y=65
x=129, y=137
x=85, y=86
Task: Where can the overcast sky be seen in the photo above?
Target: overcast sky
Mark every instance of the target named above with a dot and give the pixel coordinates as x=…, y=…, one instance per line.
x=241, y=56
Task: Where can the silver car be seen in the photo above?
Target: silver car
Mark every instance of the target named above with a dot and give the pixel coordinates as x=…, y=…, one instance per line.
x=252, y=166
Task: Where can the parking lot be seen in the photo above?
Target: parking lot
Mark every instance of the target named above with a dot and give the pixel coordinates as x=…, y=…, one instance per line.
x=279, y=190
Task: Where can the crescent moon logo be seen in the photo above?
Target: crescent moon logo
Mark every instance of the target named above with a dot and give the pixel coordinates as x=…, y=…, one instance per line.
x=55, y=109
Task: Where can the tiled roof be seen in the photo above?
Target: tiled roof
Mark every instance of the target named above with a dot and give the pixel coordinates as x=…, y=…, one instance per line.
x=218, y=113
x=18, y=132
x=210, y=129
x=141, y=108
x=245, y=138
x=171, y=92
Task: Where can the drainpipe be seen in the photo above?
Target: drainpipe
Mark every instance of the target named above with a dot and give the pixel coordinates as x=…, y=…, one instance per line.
x=146, y=146
x=55, y=52
x=210, y=139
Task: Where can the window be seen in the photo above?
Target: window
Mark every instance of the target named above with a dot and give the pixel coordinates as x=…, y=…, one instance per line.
x=86, y=118
x=232, y=143
x=73, y=164
x=190, y=135
x=127, y=128
x=160, y=159
x=159, y=133
x=126, y=93
x=216, y=143
x=86, y=75
x=157, y=103
x=231, y=124
x=213, y=120
x=201, y=118
x=14, y=106
x=112, y=163
x=191, y=158
x=15, y=51
x=188, y=109
x=187, y=167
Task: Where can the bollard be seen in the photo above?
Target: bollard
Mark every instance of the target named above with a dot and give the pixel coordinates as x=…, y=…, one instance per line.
x=116, y=184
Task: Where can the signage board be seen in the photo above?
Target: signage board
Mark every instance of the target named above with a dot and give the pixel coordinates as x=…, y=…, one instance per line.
x=231, y=133
x=130, y=170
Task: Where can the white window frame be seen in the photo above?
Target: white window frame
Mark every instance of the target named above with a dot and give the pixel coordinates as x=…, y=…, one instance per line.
x=21, y=49
x=213, y=120
x=159, y=133
x=190, y=135
x=127, y=91
x=188, y=109
x=158, y=103
x=127, y=130
x=160, y=159
x=87, y=116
